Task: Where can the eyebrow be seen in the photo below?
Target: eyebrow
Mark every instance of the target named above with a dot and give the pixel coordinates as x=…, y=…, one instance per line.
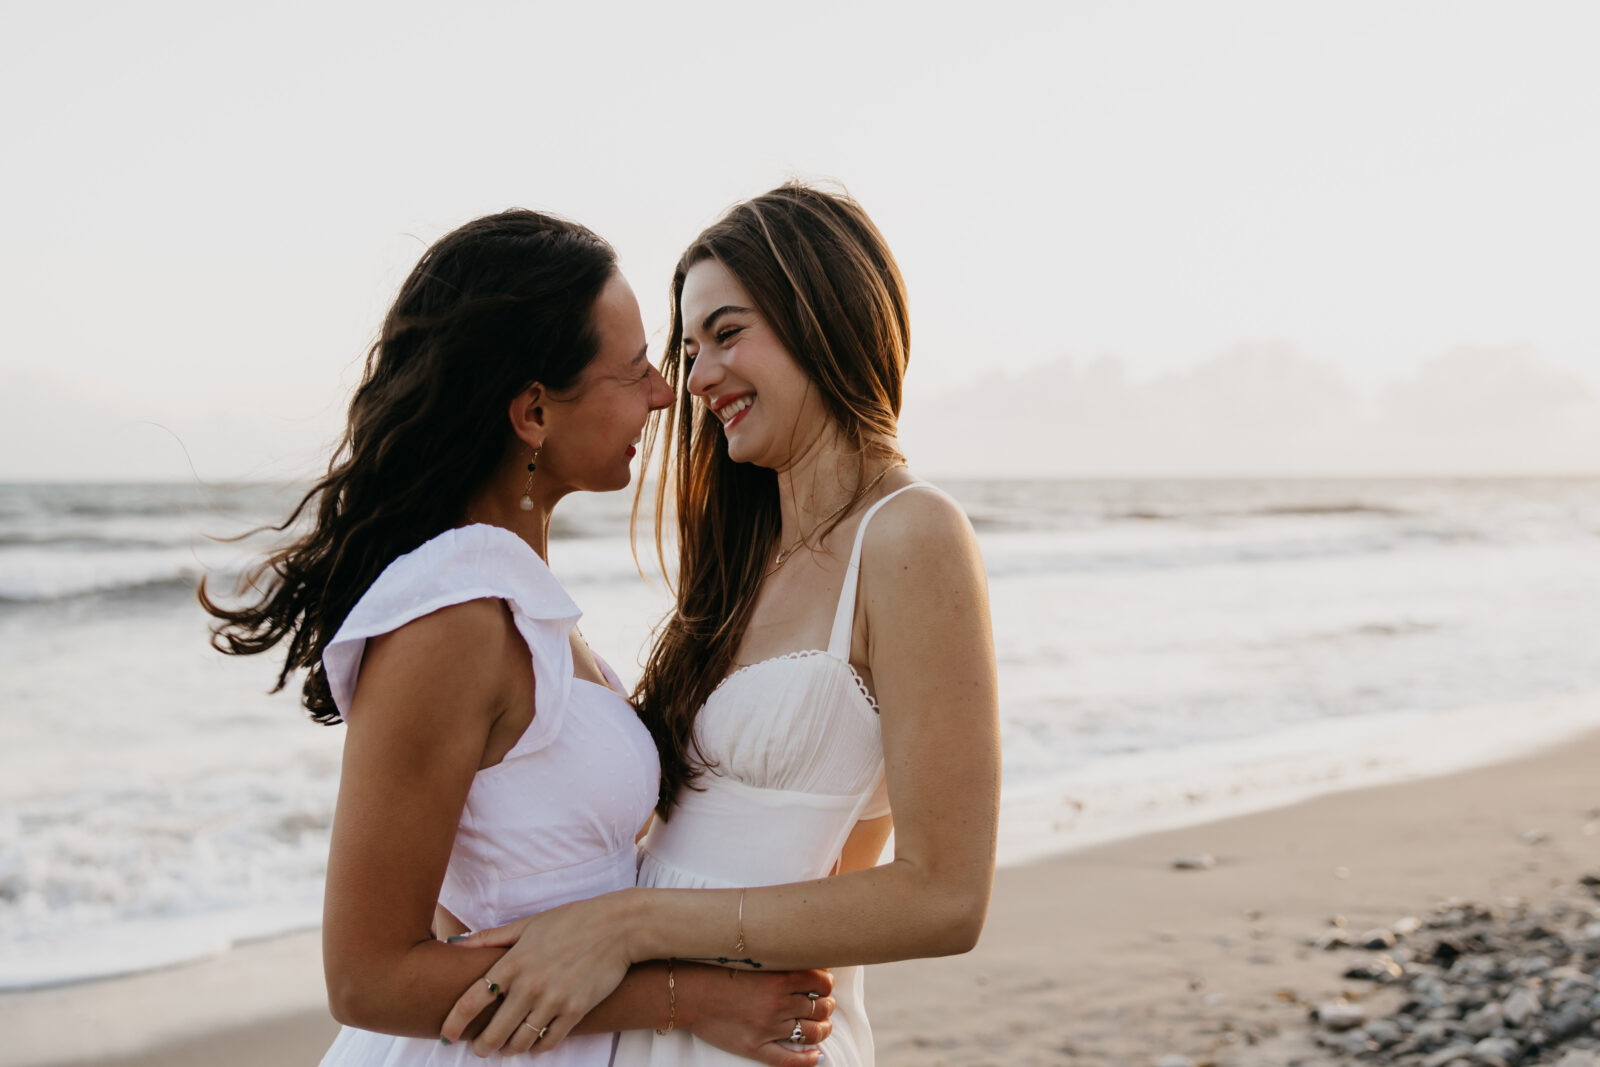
x=721, y=311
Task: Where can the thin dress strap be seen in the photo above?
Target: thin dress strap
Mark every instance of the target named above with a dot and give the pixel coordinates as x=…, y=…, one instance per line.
x=844, y=616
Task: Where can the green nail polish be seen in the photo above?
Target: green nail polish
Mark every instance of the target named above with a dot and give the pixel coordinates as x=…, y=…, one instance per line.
x=452, y=939
x=444, y=1041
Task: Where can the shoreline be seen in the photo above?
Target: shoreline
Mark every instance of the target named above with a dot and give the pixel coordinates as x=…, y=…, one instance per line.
x=1113, y=798
x=1103, y=955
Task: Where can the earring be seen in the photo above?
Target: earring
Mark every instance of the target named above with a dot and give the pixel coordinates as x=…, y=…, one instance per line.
x=527, y=489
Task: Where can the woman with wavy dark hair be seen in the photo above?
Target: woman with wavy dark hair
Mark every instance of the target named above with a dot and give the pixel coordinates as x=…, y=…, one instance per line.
x=829, y=669
x=492, y=767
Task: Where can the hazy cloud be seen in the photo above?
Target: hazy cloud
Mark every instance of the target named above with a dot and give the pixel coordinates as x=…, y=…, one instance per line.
x=1263, y=408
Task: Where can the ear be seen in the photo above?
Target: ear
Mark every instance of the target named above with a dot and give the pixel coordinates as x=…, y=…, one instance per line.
x=528, y=415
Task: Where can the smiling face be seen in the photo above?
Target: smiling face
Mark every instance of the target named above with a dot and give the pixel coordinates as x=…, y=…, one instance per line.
x=769, y=408
x=594, y=431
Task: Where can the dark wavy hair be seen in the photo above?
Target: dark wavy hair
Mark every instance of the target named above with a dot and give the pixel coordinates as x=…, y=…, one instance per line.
x=823, y=278
x=500, y=303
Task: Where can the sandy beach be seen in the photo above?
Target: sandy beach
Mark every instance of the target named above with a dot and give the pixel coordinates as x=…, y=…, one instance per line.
x=1107, y=955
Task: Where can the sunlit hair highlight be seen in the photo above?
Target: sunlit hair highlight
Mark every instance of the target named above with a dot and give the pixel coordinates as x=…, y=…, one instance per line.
x=823, y=278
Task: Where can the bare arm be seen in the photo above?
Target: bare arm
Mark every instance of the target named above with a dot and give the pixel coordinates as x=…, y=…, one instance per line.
x=931, y=652
x=427, y=699
x=932, y=658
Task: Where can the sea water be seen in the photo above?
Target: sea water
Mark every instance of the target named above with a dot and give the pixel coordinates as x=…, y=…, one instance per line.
x=1168, y=651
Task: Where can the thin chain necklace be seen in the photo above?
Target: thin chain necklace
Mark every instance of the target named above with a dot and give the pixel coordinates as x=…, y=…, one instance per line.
x=784, y=554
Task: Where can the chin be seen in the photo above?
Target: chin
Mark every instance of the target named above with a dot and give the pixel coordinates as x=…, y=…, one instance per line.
x=739, y=454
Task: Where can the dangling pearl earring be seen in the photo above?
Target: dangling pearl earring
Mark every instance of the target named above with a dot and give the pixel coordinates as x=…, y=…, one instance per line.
x=527, y=489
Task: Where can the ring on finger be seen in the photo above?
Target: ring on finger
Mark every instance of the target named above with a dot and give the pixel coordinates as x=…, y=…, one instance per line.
x=538, y=1031
x=813, y=1013
x=494, y=988
x=797, y=1036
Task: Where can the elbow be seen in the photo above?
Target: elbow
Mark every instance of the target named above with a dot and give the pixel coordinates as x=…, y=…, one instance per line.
x=344, y=1005
x=960, y=922
x=965, y=927
x=350, y=1001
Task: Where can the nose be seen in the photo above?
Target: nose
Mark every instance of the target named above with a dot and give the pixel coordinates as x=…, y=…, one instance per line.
x=660, y=391
x=701, y=375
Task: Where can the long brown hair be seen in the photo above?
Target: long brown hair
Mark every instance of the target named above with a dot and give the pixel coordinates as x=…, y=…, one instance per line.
x=822, y=277
x=500, y=303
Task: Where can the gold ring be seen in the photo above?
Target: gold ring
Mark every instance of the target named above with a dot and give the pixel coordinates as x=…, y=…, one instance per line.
x=813, y=1014
x=494, y=988
x=538, y=1031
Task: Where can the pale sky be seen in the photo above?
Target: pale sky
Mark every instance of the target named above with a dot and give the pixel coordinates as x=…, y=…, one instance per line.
x=208, y=206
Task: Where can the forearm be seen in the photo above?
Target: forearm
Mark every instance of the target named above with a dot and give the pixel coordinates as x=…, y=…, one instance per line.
x=893, y=912
x=642, y=1001
x=645, y=1000
x=407, y=994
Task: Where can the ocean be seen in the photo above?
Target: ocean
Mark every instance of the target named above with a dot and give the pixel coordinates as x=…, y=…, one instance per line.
x=1169, y=651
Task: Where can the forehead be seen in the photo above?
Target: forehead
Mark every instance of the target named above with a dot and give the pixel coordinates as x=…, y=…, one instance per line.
x=707, y=286
x=617, y=323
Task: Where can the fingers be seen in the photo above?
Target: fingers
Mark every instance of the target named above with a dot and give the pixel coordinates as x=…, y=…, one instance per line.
x=505, y=1027
x=480, y=995
x=550, y=1020
x=818, y=1009
x=810, y=981
x=494, y=937
x=812, y=1032
x=784, y=1054
x=778, y=1056
x=529, y=1035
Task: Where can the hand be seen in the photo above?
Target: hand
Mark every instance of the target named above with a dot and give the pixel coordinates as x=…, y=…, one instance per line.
x=562, y=962
x=753, y=1015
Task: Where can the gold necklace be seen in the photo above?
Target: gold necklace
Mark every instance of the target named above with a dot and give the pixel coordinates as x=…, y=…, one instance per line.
x=783, y=554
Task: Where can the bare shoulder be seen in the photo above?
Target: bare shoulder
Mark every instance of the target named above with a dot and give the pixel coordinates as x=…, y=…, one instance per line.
x=459, y=654
x=474, y=630
x=918, y=532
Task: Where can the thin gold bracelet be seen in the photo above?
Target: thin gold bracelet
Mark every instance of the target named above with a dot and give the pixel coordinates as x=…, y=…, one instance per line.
x=672, y=1002
x=739, y=944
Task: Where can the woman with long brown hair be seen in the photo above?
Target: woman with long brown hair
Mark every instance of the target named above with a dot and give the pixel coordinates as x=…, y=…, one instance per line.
x=828, y=671
x=492, y=767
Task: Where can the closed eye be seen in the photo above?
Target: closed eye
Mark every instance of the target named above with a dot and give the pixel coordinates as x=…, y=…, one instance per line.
x=724, y=334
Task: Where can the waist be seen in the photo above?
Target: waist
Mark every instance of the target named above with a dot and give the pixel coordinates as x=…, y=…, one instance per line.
x=480, y=897
x=734, y=834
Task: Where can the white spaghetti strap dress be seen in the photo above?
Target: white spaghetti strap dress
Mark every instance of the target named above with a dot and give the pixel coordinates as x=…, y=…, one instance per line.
x=798, y=761
x=552, y=822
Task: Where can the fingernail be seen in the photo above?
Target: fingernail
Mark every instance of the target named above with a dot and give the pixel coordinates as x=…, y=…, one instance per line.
x=454, y=938
x=444, y=1041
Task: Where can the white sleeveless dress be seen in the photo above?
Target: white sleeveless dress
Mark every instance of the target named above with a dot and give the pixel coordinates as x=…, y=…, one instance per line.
x=797, y=760
x=552, y=822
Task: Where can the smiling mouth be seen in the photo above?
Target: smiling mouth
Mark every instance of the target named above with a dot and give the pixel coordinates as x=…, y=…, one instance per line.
x=728, y=412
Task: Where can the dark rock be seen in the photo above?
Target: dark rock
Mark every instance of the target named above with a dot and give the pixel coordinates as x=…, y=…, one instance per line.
x=1377, y=939
x=1338, y=1015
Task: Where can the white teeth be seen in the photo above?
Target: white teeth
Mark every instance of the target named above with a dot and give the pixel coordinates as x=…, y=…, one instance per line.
x=726, y=414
